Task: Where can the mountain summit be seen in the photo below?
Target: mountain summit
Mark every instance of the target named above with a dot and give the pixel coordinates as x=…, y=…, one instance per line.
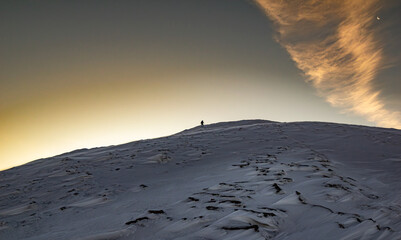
x=251, y=179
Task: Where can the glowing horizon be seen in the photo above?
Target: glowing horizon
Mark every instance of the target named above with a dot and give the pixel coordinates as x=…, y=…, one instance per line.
x=80, y=74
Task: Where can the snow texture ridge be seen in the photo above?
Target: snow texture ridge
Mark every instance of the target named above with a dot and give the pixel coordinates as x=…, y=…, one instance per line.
x=251, y=179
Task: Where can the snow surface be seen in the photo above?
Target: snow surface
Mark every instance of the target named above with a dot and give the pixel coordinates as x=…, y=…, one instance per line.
x=250, y=179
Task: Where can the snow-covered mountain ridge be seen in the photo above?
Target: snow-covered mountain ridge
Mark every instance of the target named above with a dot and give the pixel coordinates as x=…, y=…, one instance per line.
x=250, y=179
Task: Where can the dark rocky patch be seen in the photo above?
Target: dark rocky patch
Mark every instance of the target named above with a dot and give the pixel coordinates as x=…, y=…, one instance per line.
x=277, y=187
x=136, y=220
x=231, y=201
x=241, y=165
x=338, y=186
x=193, y=199
x=211, y=208
x=156, y=211
x=254, y=227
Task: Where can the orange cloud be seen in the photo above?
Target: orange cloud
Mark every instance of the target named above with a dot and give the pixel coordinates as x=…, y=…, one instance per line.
x=334, y=44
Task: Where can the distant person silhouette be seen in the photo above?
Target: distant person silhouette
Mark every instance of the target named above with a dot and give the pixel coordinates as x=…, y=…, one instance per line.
x=202, y=123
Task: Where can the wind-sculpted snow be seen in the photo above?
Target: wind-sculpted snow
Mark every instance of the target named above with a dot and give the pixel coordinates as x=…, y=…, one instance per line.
x=237, y=180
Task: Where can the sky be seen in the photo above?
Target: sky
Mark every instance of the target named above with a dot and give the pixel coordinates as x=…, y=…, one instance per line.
x=82, y=74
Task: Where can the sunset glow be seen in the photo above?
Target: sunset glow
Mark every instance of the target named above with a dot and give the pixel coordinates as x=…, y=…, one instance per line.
x=88, y=74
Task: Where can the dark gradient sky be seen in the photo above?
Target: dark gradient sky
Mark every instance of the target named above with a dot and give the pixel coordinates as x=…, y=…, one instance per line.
x=77, y=74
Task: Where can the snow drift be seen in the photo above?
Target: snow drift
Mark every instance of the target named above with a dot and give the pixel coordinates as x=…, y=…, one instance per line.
x=237, y=180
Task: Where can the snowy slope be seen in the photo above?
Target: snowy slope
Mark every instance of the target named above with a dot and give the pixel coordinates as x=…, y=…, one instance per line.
x=237, y=180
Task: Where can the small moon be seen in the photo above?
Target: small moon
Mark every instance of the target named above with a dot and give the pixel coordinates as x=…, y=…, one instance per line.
x=378, y=18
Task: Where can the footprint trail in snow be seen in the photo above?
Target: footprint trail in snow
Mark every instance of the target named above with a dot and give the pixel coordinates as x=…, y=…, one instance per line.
x=238, y=180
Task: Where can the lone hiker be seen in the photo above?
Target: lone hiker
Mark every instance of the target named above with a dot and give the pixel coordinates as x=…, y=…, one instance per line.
x=202, y=123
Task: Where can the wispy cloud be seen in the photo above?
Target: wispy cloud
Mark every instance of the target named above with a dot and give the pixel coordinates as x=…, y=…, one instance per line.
x=335, y=44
